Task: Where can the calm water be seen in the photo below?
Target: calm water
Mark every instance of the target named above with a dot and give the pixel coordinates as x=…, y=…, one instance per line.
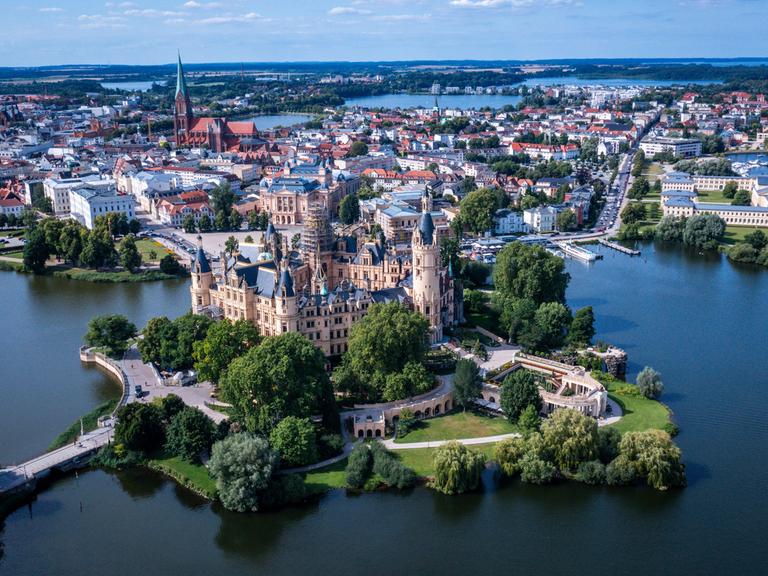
x=460, y=101
x=610, y=82
x=272, y=121
x=699, y=320
x=43, y=385
x=136, y=86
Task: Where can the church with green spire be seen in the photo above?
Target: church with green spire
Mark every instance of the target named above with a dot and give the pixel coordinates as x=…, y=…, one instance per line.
x=182, y=116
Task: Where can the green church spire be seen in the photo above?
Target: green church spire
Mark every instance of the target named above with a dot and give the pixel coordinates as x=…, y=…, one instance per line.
x=181, y=83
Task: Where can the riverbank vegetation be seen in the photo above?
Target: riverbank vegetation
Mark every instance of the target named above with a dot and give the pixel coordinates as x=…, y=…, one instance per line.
x=87, y=423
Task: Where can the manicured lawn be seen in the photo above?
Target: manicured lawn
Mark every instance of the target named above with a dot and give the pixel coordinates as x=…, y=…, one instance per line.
x=640, y=413
x=147, y=245
x=14, y=254
x=458, y=425
x=713, y=197
x=327, y=478
x=420, y=459
x=193, y=476
x=735, y=234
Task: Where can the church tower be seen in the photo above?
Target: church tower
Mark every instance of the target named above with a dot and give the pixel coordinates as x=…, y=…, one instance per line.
x=426, y=272
x=202, y=279
x=182, y=114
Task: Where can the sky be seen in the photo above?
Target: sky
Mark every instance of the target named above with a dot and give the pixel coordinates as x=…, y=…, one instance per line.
x=45, y=32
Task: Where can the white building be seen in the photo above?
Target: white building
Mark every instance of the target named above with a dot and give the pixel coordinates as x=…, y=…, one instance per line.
x=88, y=202
x=680, y=147
x=541, y=219
x=58, y=191
x=509, y=222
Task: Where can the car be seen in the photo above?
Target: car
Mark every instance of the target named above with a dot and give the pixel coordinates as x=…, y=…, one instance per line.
x=138, y=390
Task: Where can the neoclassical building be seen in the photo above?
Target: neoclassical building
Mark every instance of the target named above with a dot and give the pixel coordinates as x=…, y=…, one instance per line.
x=323, y=288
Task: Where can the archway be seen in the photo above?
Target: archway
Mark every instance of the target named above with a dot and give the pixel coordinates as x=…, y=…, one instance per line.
x=417, y=414
x=427, y=412
x=378, y=433
x=447, y=405
x=437, y=409
x=360, y=434
x=492, y=400
x=369, y=433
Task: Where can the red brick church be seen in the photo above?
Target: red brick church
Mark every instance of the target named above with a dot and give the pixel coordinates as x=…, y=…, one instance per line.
x=216, y=134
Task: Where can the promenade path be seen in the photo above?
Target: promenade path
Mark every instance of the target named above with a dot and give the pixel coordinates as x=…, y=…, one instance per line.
x=392, y=445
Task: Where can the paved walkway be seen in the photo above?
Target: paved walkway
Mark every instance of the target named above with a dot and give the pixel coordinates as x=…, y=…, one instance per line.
x=392, y=445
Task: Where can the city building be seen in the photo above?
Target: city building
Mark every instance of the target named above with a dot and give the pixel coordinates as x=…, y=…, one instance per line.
x=541, y=219
x=680, y=147
x=89, y=201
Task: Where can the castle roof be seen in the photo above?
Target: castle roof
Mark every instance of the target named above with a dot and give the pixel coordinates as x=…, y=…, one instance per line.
x=426, y=228
x=201, y=261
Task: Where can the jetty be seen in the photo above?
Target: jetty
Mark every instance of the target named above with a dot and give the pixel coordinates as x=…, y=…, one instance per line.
x=578, y=252
x=619, y=247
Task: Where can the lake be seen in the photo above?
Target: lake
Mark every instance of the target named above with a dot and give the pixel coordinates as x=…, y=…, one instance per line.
x=132, y=86
x=274, y=120
x=460, y=101
x=699, y=320
x=611, y=82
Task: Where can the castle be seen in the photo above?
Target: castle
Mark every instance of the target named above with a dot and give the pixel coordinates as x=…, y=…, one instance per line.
x=216, y=134
x=321, y=289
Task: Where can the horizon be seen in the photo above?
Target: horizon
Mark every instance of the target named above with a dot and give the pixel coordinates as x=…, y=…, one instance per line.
x=326, y=31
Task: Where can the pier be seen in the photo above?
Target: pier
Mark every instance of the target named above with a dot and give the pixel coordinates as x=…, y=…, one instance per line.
x=578, y=252
x=619, y=247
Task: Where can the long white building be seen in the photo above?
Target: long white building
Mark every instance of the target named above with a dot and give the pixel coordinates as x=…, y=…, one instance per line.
x=88, y=202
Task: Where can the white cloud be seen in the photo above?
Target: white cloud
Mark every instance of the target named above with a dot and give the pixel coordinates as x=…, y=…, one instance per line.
x=203, y=5
x=94, y=21
x=51, y=9
x=152, y=13
x=511, y=3
x=346, y=10
x=227, y=18
x=402, y=17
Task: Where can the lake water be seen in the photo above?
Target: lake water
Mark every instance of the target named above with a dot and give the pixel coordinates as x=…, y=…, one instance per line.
x=135, y=86
x=610, y=82
x=275, y=120
x=699, y=320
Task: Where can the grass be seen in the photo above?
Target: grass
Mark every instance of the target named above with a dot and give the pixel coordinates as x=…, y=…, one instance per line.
x=736, y=234
x=328, y=478
x=14, y=254
x=90, y=422
x=11, y=266
x=640, y=413
x=458, y=425
x=147, y=245
x=193, y=476
x=420, y=459
x=652, y=171
x=713, y=197
x=86, y=275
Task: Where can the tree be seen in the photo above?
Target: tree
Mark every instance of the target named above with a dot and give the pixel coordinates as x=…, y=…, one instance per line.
x=140, y=427
x=519, y=391
x=349, y=209
x=703, y=231
x=130, y=258
x=98, y=249
x=742, y=198
x=649, y=383
x=639, y=188
x=231, y=246
x=359, y=466
x=188, y=224
x=224, y=341
x=190, y=433
x=235, y=219
x=608, y=440
x=566, y=220
x=134, y=225
x=169, y=265
x=570, y=437
x=71, y=242
x=591, y=472
x=633, y=212
x=169, y=344
x=582, y=328
x=295, y=441
x=477, y=210
x=387, y=338
x=111, y=332
x=529, y=420
x=653, y=456
x=670, y=229
x=553, y=320
x=205, y=224
x=358, y=148
x=536, y=470
x=529, y=271
x=284, y=376
x=457, y=468
x=508, y=454
x=171, y=405
x=467, y=383
x=222, y=201
x=242, y=466
x=296, y=241
x=757, y=239
x=36, y=250
x=730, y=189
x=390, y=469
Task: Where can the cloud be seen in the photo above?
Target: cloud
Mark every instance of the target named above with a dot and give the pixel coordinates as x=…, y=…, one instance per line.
x=152, y=13
x=227, y=18
x=346, y=10
x=401, y=17
x=94, y=21
x=51, y=9
x=511, y=3
x=203, y=5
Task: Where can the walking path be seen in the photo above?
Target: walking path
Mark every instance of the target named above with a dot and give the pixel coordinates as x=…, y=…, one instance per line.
x=392, y=445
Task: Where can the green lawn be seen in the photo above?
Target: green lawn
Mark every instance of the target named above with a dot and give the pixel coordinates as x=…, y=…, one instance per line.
x=147, y=245
x=14, y=254
x=90, y=422
x=458, y=425
x=193, y=476
x=713, y=197
x=652, y=171
x=420, y=459
x=87, y=275
x=735, y=234
x=327, y=478
x=640, y=413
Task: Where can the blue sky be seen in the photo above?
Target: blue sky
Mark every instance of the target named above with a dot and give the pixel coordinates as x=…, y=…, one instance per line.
x=38, y=32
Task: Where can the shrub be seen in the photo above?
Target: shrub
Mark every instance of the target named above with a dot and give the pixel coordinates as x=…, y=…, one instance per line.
x=330, y=445
x=591, y=472
x=406, y=423
x=529, y=420
x=655, y=457
x=534, y=470
x=608, y=439
x=649, y=383
x=457, y=469
x=571, y=438
x=171, y=405
x=140, y=427
x=294, y=439
x=620, y=472
x=390, y=469
x=358, y=466
x=189, y=434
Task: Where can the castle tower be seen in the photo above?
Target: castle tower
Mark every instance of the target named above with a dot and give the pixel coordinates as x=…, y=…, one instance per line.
x=317, y=245
x=286, y=302
x=202, y=279
x=182, y=114
x=426, y=274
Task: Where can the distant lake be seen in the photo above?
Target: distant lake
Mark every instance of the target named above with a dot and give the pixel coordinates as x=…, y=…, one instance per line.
x=460, y=101
x=273, y=120
x=131, y=86
x=610, y=82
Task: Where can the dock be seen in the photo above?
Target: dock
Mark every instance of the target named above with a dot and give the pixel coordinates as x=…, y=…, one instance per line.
x=578, y=252
x=619, y=247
